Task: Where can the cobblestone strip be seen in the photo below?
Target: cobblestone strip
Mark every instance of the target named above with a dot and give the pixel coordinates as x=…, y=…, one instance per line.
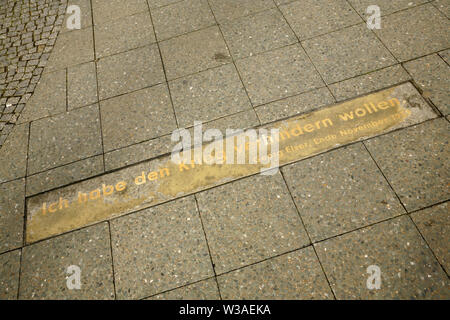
x=28, y=32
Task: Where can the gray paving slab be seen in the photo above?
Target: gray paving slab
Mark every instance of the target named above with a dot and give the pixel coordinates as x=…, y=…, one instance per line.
x=45, y=266
x=310, y=18
x=208, y=95
x=194, y=52
x=407, y=38
x=340, y=191
x=408, y=270
x=347, y=53
x=107, y=10
x=159, y=249
x=443, y=6
x=257, y=33
x=64, y=138
x=414, y=162
x=386, y=6
x=203, y=290
x=129, y=71
x=432, y=74
x=278, y=74
x=81, y=85
x=136, y=117
x=9, y=275
x=250, y=220
x=13, y=154
x=293, y=276
x=12, y=210
x=232, y=9
x=433, y=225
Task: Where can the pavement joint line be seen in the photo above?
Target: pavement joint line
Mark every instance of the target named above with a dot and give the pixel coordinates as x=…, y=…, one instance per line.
x=197, y=207
x=112, y=259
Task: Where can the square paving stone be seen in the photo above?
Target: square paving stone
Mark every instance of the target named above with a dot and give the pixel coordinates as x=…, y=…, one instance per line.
x=48, y=99
x=64, y=138
x=123, y=34
x=71, y=48
x=85, y=10
x=45, y=273
x=12, y=208
x=81, y=85
x=250, y=220
x=310, y=18
x=208, y=95
x=408, y=38
x=433, y=224
x=107, y=10
x=159, y=249
x=203, y=290
x=347, y=53
x=194, y=52
x=278, y=74
x=386, y=6
x=340, y=191
x=433, y=76
x=291, y=106
x=182, y=17
x=13, y=154
x=64, y=175
x=129, y=71
x=415, y=162
x=292, y=276
x=9, y=275
x=257, y=33
x=232, y=9
x=136, y=117
x=407, y=267
x=370, y=82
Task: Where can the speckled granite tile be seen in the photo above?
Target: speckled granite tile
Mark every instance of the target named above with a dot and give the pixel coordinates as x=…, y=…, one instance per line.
x=432, y=74
x=443, y=6
x=278, y=74
x=203, y=290
x=107, y=10
x=408, y=38
x=414, y=160
x=64, y=138
x=48, y=99
x=182, y=17
x=340, y=191
x=64, y=175
x=232, y=9
x=408, y=268
x=293, y=276
x=347, y=53
x=85, y=10
x=159, y=249
x=292, y=106
x=310, y=18
x=44, y=266
x=71, y=48
x=433, y=224
x=142, y=151
x=386, y=6
x=13, y=154
x=148, y=114
x=257, y=33
x=370, y=82
x=129, y=71
x=445, y=55
x=194, y=52
x=208, y=95
x=81, y=85
x=9, y=275
x=159, y=3
x=12, y=210
x=123, y=34
x=250, y=220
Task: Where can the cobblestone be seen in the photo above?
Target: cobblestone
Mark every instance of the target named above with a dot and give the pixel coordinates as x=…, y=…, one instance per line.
x=28, y=30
